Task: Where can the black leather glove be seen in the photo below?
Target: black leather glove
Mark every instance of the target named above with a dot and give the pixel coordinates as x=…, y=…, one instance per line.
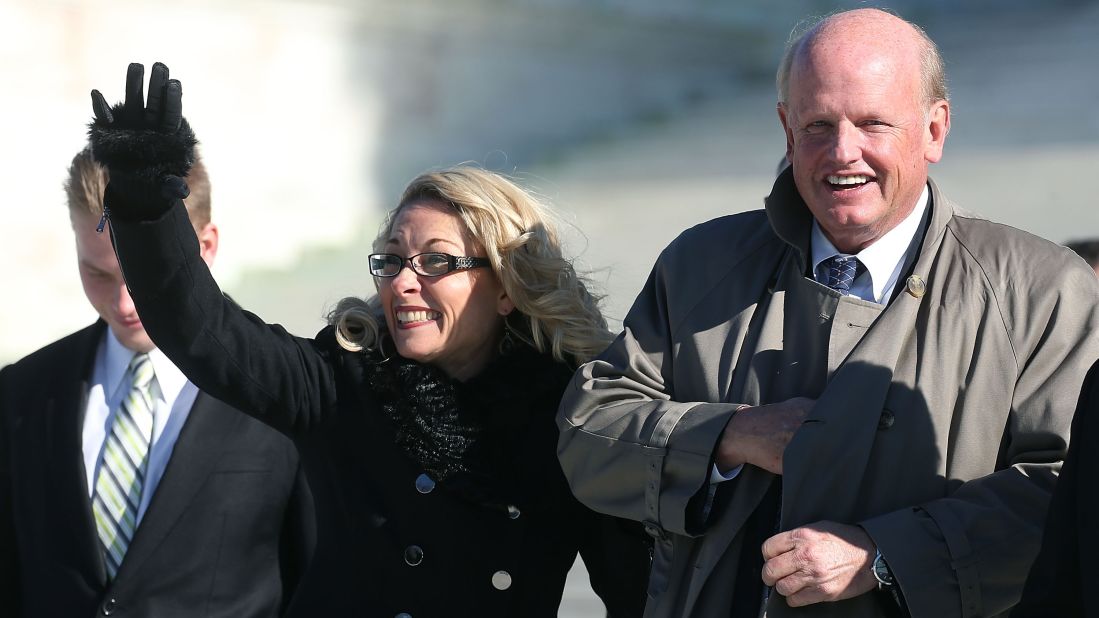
x=146, y=147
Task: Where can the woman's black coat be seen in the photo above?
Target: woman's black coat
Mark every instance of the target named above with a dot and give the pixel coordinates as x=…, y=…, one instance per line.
x=390, y=540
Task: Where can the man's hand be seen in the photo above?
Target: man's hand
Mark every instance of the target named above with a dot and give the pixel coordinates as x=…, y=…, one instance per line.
x=759, y=435
x=147, y=147
x=824, y=561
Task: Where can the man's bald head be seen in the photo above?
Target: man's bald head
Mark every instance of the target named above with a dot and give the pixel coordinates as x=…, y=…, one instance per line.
x=858, y=29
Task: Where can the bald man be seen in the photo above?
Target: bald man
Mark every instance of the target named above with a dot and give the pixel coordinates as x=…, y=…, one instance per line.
x=854, y=402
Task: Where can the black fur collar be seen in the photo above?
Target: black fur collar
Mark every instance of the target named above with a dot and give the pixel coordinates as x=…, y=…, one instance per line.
x=475, y=438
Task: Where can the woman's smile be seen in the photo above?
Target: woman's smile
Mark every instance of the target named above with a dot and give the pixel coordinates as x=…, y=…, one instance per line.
x=411, y=317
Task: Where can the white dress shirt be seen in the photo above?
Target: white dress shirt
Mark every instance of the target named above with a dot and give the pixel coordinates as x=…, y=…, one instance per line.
x=109, y=383
x=883, y=262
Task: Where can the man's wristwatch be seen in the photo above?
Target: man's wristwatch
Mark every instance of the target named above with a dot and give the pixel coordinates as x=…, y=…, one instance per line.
x=881, y=571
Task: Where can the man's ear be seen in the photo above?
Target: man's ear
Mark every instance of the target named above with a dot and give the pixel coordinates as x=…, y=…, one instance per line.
x=782, y=117
x=208, y=243
x=938, y=126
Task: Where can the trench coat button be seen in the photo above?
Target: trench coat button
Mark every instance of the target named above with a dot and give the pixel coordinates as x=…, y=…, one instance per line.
x=413, y=555
x=424, y=484
x=501, y=580
x=109, y=606
x=916, y=286
x=886, y=420
x=513, y=511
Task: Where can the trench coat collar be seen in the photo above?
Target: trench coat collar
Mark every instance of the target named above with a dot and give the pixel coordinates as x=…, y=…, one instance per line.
x=789, y=215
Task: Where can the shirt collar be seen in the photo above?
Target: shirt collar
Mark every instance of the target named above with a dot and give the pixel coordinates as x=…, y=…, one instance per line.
x=882, y=258
x=168, y=377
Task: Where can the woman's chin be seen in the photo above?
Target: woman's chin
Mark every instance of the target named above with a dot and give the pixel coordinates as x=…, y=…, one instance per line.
x=412, y=351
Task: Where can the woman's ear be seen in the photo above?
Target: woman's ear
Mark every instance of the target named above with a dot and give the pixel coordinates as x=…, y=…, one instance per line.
x=504, y=306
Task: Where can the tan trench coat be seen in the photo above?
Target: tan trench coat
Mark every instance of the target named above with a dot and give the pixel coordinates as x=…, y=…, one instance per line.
x=940, y=433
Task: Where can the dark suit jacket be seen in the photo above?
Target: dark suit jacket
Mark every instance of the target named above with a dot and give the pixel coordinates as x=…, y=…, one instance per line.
x=1060, y=580
x=227, y=533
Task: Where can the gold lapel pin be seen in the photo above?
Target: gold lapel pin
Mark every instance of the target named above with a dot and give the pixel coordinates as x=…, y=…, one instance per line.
x=916, y=286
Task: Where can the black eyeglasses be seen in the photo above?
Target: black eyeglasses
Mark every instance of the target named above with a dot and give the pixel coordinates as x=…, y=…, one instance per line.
x=427, y=264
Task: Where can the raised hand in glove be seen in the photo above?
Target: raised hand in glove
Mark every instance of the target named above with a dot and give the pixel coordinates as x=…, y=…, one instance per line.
x=148, y=148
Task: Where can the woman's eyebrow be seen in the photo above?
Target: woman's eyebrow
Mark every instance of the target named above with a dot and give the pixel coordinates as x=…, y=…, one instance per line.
x=430, y=242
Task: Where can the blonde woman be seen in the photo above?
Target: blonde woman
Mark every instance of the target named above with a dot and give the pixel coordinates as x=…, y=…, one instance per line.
x=424, y=415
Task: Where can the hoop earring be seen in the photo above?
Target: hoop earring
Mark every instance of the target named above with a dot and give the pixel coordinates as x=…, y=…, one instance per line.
x=381, y=350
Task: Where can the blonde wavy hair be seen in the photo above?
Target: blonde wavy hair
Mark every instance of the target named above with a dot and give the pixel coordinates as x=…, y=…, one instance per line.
x=557, y=312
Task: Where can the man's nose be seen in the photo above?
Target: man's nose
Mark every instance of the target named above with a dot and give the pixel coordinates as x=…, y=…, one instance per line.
x=125, y=302
x=847, y=143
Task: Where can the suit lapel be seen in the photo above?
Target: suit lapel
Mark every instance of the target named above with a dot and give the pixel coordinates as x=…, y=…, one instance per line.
x=62, y=425
x=205, y=436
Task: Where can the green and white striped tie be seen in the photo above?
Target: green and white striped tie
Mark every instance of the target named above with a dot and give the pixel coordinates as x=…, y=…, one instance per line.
x=122, y=470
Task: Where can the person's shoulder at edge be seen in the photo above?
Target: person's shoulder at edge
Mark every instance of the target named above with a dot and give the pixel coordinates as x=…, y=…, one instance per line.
x=705, y=255
x=701, y=261
x=721, y=242
x=1013, y=259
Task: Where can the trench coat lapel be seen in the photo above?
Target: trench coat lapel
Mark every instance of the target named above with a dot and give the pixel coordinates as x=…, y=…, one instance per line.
x=752, y=386
x=828, y=457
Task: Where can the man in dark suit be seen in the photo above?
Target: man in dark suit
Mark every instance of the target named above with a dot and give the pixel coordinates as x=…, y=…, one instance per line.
x=125, y=491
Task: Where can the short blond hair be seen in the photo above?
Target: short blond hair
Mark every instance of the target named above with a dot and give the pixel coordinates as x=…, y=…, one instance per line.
x=557, y=310
x=87, y=180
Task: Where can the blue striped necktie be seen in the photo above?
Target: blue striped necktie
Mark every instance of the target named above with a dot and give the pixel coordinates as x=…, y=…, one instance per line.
x=841, y=270
x=122, y=469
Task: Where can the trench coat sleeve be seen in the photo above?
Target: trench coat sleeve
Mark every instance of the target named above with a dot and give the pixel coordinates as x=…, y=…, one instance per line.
x=1055, y=586
x=260, y=369
x=627, y=447
x=968, y=553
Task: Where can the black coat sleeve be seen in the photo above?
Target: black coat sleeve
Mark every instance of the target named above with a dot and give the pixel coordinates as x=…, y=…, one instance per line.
x=9, y=571
x=299, y=538
x=285, y=381
x=1055, y=584
x=616, y=553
